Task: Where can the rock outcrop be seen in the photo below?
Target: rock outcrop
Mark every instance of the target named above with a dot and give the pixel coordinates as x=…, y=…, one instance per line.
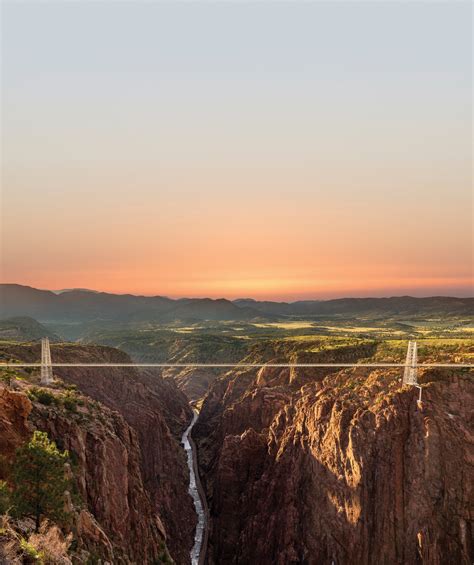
x=156, y=412
x=338, y=468
x=111, y=515
x=14, y=426
x=118, y=519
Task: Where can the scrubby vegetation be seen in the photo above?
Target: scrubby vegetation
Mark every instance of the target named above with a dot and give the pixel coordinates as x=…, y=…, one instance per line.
x=224, y=341
x=34, y=493
x=42, y=395
x=7, y=376
x=39, y=479
x=66, y=397
x=48, y=546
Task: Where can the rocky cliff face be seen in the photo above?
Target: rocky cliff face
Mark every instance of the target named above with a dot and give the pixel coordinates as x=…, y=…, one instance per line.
x=338, y=468
x=110, y=512
x=157, y=412
x=106, y=456
x=14, y=427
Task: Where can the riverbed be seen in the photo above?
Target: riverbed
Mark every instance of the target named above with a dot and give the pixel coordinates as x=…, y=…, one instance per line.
x=195, y=490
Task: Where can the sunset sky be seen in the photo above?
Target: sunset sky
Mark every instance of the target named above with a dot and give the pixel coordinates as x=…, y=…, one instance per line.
x=272, y=150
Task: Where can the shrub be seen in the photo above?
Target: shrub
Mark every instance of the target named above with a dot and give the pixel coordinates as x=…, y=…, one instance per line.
x=42, y=395
x=29, y=552
x=70, y=403
x=71, y=400
x=47, y=547
x=38, y=475
x=50, y=543
x=6, y=376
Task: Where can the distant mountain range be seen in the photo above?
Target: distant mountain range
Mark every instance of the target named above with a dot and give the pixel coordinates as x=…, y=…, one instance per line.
x=80, y=305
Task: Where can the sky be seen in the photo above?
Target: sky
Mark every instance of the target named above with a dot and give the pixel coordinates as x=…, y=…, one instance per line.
x=278, y=150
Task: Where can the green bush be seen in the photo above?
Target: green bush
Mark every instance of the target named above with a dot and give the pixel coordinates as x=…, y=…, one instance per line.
x=71, y=400
x=7, y=376
x=39, y=479
x=42, y=395
x=70, y=403
x=30, y=552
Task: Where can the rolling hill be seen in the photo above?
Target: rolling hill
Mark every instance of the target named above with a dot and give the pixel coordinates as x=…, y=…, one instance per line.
x=24, y=329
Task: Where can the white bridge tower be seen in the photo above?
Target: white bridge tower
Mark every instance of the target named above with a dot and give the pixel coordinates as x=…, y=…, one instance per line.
x=46, y=367
x=410, y=374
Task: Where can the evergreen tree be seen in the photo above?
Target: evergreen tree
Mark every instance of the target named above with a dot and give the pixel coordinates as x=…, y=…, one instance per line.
x=39, y=479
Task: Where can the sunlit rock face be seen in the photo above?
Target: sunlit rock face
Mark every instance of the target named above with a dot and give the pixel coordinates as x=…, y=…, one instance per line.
x=120, y=522
x=149, y=415
x=340, y=467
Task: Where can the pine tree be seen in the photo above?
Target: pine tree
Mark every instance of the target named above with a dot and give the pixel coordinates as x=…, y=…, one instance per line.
x=39, y=479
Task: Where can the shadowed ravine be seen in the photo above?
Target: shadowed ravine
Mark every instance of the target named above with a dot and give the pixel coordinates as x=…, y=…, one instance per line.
x=299, y=465
x=195, y=490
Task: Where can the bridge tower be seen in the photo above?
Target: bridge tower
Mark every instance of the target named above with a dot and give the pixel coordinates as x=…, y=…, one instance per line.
x=410, y=374
x=46, y=367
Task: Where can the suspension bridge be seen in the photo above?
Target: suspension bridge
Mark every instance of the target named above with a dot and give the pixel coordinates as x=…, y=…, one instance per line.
x=410, y=366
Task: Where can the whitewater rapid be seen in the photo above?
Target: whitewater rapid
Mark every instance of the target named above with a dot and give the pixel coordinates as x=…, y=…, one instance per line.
x=194, y=492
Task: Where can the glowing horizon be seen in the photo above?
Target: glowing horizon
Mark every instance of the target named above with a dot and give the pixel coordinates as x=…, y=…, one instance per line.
x=277, y=151
x=451, y=288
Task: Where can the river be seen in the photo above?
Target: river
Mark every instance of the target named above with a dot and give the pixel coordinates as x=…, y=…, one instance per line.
x=195, y=491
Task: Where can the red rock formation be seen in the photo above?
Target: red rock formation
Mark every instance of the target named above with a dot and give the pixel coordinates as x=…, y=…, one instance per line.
x=112, y=515
x=344, y=469
x=14, y=427
x=156, y=410
x=106, y=469
x=148, y=404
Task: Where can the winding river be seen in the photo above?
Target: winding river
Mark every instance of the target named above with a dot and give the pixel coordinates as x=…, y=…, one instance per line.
x=195, y=490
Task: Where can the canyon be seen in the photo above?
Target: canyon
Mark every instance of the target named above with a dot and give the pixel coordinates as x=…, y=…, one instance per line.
x=126, y=442
x=339, y=468
x=297, y=465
